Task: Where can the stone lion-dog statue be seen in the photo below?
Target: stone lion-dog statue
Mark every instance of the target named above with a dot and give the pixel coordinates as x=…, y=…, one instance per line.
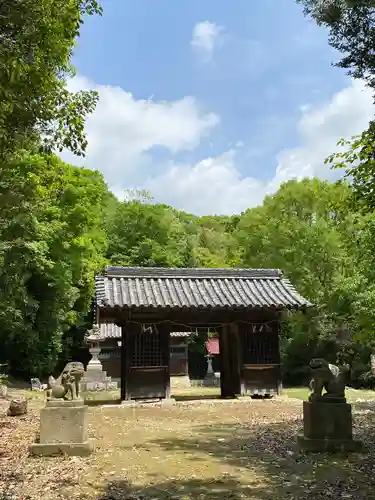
x=332, y=378
x=66, y=386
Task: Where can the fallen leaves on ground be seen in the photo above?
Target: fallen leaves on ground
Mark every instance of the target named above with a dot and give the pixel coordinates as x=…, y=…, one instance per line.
x=201, y=451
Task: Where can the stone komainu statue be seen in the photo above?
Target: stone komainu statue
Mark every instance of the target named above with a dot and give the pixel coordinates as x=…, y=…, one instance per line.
x=329, y=377
x=67, y=384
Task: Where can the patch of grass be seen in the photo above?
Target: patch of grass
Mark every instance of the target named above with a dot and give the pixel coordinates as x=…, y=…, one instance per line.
x=296, y=392
x=351, y=394
x=95, y=398
x=195, y=392
x=36, y=398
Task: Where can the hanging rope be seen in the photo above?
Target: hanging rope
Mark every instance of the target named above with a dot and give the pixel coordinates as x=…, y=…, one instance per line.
x=149, y=326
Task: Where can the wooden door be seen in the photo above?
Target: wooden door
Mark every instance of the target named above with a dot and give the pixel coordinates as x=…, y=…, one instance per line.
x=147, y=364
x=261, y=373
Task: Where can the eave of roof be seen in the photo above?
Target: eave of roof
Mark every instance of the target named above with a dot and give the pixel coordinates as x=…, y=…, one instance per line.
x=112, y=331
x=210, y=289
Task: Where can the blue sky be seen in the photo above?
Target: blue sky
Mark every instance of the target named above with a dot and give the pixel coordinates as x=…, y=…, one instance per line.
x=210, y=105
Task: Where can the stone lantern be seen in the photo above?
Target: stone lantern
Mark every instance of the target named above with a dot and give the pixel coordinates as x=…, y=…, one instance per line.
x=93, y=339
x=95, y=379
x=212, y=347
x=210, y=371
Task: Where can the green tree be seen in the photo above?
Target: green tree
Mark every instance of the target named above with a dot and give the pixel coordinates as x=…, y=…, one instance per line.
x=37, y=38
x=308, y=231
x=297, y=230
x=52, y=243
x=358, y=161
x=351, y=25
x=213, y=243
x=143, y=234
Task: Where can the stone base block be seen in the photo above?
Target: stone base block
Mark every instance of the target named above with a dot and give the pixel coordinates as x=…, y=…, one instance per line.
x=63, y=422
x=94, y=376
x=332, y=421
x=168, y=402
x=71, y=449
x=211, y=381
x=63, y=429
x=328, y=445
x=180, y=382
x=98, y=386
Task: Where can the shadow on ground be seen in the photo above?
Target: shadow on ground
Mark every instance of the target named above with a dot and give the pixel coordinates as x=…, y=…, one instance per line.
x=199, y=397
x=268, y=451
x=221, y=489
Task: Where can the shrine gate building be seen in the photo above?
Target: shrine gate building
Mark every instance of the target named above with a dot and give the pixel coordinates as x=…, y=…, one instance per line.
x=244, y=306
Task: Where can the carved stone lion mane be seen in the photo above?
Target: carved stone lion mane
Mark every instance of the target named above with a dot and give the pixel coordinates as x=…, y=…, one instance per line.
x=66, y=386
x=329, y=377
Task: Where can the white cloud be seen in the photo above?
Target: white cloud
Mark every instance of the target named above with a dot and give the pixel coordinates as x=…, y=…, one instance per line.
x=206, y=36
x=346, y=114
x=215, y=185
x=123, y=130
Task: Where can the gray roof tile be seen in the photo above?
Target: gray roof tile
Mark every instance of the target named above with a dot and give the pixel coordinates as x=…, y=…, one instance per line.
x=132, y=287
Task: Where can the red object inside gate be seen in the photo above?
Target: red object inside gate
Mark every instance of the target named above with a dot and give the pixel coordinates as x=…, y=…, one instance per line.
x=213, y=347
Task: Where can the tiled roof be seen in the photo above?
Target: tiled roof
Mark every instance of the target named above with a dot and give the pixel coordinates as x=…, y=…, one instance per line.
x=171, y=288
x=112, y=331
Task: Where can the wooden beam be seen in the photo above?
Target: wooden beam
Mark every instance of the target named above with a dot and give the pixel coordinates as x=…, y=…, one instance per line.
x=185, y=320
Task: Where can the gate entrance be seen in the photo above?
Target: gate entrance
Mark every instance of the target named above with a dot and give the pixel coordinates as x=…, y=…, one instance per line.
x=150, y=303
x=261, y=372
x=147, y=363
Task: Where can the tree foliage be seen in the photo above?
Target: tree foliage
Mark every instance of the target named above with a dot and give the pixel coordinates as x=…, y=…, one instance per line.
x=351, y=25
x=60, y=224
x=55, y=239
x=357, y=158
x=51, y=245
x=37, y=38
x=308, y=230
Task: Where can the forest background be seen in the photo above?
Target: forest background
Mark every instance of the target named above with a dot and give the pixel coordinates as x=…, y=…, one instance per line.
x=60, y=224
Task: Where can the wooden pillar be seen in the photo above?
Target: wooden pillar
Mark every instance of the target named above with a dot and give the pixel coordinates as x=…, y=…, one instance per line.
x=226, y=385
x=236, y=359
x=125, y=361
x=279, y=384
x=165, y=347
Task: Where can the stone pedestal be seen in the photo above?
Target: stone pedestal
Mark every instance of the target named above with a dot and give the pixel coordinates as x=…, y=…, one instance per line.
x=180, y=382
x=210, y=379
x=3, y=390
x=63, y=430
x=327, y=426
x=95, y=379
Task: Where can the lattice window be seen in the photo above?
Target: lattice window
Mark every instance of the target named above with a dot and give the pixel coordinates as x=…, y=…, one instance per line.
x=260, y=348
x=146, y=349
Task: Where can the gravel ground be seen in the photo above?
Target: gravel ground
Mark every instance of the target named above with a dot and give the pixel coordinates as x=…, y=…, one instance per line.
x=206, y=450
